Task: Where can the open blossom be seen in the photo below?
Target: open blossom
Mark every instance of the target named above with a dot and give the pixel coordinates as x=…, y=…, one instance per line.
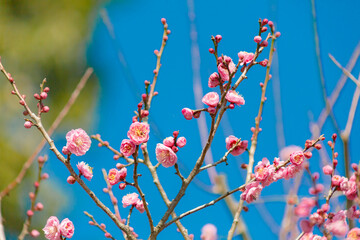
x=224, y=69
x=209, y=232
x=130, y=199
x=67, y=228
x=211, y=99
x=252, y=192
x=52, y=228
x=327, y=169
x=165, y=155
x=139, y=132
x=214, y=80
x=239, y=149
x=336, y=180
x=337, y=225
x=297, y=158
x=261, y=170
x=113, y=176
x=352, y=213
x=140, y=206
x=127, y=147
x=245, y=57
x=78, y=142
x=233, y=97
x=353, y=234
x=85, y=170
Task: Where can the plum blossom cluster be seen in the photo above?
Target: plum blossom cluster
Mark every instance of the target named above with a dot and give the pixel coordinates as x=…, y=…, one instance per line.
x=329, y=223
x=116, y=176
x=166, y=151
x=266, y=173
x=54, y=230
x=132, y=199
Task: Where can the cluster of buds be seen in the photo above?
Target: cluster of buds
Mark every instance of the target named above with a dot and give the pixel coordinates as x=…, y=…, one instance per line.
x=166, y=151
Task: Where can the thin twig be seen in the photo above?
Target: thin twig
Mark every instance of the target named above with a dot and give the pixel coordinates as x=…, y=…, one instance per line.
x=95, y=223
x=51, y=130
x=254, y=140
x=53, y=148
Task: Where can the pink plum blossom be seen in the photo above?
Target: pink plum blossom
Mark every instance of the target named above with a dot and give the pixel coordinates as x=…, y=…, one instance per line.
x=130, y=199
x=328, y=170
x=353, y=234
x=165, y=155
x=223, y=69
x=78, y=142
x=337, y=225
x=209, y=232
x=52, y=229
x=127, y=147
x=286, y=151
x=211, y=99
x=181, y=142
x=113, y=176
x=352, y=213
x=297, y=158
x=139, y=132
x=303, y=209
x=239, y=149
x=252, y=192
x=188, y=113
x=336, y=180
x=306, y=226
x=261, y=170
x=245, y=57
x=140, y=206
x=169, y=142
x=67, y=228
x=214, y=80
x=122, y=173
x=85, y=170
x=233, y=97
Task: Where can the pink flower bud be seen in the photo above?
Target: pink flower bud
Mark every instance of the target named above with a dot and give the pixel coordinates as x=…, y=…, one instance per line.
x=156, y=52
x=175, y=134
x=271, y=24
x=31, y=195
x=211, y=50
x=175, y=149
x=163, y=20
x=328, y=170
x=119, y=166
x=263, y=29
x=169, y=142
x=306, y=226
x=37, y=96
x=181, y=142
x=231, y=106
x=264, y=62
x=36, y=184
x=308, y=155
x=122, y=186
x=105, y=190
x=43, y=95
x=122, y=174
x=211, y=110
x=165, y=38
x=71, y=180
x=44, y=176
x=264, y=21
x=218, y=38
x=45, y=109
x=264, y=43
x=188, y=113
x=46, y=89
x=108, y=235
x=34, y=233
x=316, y=175
x=277, y=34
x=144, y=113
x=29, y=213
x=39, y=206
x=27, y=124
x=257, y=39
